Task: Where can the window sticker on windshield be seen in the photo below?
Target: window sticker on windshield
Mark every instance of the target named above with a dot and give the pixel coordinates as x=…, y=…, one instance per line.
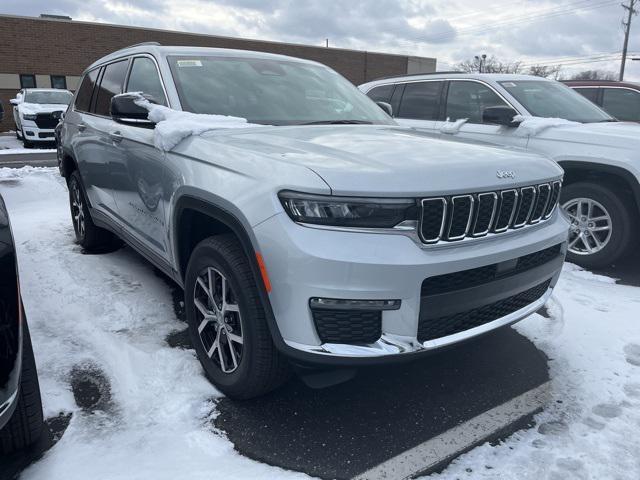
x=508, y=84
x=189, y=63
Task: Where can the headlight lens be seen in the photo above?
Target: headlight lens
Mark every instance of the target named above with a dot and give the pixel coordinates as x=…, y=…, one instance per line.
x=29, y=116
x=353, y=212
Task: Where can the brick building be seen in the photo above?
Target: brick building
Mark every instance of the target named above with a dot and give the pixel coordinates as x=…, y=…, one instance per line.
x=49, y=52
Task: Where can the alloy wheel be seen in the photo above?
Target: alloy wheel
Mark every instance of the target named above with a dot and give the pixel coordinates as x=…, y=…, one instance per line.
x=591, y=226
x=218, y=319
x=77, y=209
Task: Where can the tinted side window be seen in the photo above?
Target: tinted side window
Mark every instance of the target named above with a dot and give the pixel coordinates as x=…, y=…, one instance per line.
x=622, y=103
x=110, y=85
x=421, y=101
x=83, y=99
x=469, y=99
x=144, y=78
x=382, y=93
x=590, y=93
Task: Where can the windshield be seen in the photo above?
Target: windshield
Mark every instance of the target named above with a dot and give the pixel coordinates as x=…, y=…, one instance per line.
x=62, y=97
x=554, y=100
x=268, y=91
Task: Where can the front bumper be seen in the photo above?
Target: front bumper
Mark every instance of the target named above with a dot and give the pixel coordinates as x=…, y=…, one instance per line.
x=304, y=263
x=33, y=133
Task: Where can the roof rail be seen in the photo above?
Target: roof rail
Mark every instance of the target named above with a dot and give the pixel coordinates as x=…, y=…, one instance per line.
x=417, y=75
x=142, y=44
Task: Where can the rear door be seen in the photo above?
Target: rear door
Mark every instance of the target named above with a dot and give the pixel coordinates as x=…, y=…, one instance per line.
x=97, y=148
x=467, y=99
x=140, y=176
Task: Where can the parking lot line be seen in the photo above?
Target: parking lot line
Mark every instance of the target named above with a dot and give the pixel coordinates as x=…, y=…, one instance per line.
x=426, y=457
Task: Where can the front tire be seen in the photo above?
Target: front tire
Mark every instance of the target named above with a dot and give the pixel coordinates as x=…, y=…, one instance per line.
x=227, y=322
x=26, y=423
x=88, y=235
x=601, y=225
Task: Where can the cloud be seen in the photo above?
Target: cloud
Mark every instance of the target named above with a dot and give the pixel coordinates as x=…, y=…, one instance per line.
x=450, y=30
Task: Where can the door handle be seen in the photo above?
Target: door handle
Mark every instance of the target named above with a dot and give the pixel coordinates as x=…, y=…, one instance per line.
x=82, y=127
x=116, y=137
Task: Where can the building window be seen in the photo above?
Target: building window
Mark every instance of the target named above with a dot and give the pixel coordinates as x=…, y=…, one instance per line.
x=59, y=81
x=27, y=81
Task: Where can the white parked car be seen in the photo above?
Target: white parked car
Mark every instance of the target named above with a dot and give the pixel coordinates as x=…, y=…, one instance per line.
x=600, y=156
x=37, y=111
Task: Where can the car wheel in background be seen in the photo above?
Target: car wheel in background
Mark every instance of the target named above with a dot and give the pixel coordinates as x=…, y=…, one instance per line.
x=88, y=235
x=25, y=142
x=26, y=423
x=601, y=226
x=227, y=322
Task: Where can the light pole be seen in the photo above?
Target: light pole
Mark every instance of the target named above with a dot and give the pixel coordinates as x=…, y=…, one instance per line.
x=481, y=60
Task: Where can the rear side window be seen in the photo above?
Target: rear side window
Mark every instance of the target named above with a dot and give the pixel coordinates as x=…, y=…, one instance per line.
x=590, y=93
x=83, y=99
x=622, y=103
x=469, y=99
x=144, y=78
x=110, y=85
x=381, y=94
x=421, y=101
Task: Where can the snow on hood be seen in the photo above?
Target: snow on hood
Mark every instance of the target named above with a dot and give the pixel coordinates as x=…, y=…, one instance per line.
x=173, y=126
x=532, y=126
x=33, y=108
x=453, y=127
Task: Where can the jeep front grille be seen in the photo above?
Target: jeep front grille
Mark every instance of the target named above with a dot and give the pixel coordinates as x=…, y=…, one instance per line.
x=452, y=218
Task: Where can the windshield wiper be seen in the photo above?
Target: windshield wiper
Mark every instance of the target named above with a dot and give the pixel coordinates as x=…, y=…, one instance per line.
x=338, y=122
x=608, y=120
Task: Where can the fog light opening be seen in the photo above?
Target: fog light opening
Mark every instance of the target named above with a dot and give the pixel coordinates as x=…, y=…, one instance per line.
x=319, y=303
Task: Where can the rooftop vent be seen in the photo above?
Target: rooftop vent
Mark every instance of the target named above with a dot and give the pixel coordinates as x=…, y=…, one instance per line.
x=55, y=17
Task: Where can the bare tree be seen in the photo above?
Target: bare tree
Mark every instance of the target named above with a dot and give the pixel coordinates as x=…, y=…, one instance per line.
x=545, y=71
x=489, y=65
x=594, y=75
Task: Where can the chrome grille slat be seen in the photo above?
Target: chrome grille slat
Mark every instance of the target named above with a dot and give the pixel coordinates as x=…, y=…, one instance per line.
x=458, y=217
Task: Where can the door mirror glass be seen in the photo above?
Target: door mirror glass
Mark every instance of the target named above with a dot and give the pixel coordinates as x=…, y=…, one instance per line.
x=125, y=110
x=386, y=107
x=500, y=116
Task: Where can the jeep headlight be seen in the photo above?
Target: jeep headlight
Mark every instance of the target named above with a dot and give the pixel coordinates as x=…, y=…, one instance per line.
x=29, y=116
x=355, y=212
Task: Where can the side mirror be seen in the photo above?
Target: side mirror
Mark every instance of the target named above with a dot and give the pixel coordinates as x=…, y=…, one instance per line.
x=14, y=101
x=386, y=107
x=124, y=110
x=500, y=116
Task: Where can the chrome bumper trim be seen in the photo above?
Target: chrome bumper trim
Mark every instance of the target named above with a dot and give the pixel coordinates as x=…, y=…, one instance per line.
x=390, y=344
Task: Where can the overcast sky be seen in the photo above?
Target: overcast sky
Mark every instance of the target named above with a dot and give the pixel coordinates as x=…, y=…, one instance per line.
x=578, y=34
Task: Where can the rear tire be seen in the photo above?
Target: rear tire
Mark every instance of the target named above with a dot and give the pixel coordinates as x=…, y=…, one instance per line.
x=26, y=423
x=607, y=210
x=255, y=366
x=88, y=235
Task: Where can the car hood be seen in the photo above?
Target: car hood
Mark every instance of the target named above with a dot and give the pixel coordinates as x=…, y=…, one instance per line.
x=31, y=108
x=625, y=135
x=389, y=160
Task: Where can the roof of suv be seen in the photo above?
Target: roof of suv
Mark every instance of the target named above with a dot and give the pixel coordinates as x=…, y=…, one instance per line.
x=163, y=51
x=495, y=77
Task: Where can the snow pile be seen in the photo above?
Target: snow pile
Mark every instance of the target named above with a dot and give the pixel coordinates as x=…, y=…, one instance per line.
x=453, y=127
x=111, y=313
x=532, y=126
x=173, y=126
x=34, y=108
x=590, y=428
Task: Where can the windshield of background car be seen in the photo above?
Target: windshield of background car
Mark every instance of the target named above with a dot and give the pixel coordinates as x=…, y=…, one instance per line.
x=268, y=91
x=554, y=100
x=48, y=97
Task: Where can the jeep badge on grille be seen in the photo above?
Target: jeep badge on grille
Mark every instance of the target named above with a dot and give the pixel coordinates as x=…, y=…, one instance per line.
x=506, y=174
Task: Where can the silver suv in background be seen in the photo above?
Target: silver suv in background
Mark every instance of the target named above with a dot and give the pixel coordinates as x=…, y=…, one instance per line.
x=600, y=156
x=320, y=234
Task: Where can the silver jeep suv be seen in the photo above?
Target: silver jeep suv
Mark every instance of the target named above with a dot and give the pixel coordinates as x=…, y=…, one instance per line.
x=324, y=235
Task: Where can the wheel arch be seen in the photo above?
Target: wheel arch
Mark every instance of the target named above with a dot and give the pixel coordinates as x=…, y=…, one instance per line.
x=580, y=171
x=67, y=165
x=195, y=219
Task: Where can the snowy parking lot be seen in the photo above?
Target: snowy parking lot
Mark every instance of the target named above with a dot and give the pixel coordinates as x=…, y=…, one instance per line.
x=137, y=407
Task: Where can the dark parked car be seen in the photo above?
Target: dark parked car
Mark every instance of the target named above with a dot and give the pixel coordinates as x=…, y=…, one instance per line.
x=619, y=99
x=20, y=405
